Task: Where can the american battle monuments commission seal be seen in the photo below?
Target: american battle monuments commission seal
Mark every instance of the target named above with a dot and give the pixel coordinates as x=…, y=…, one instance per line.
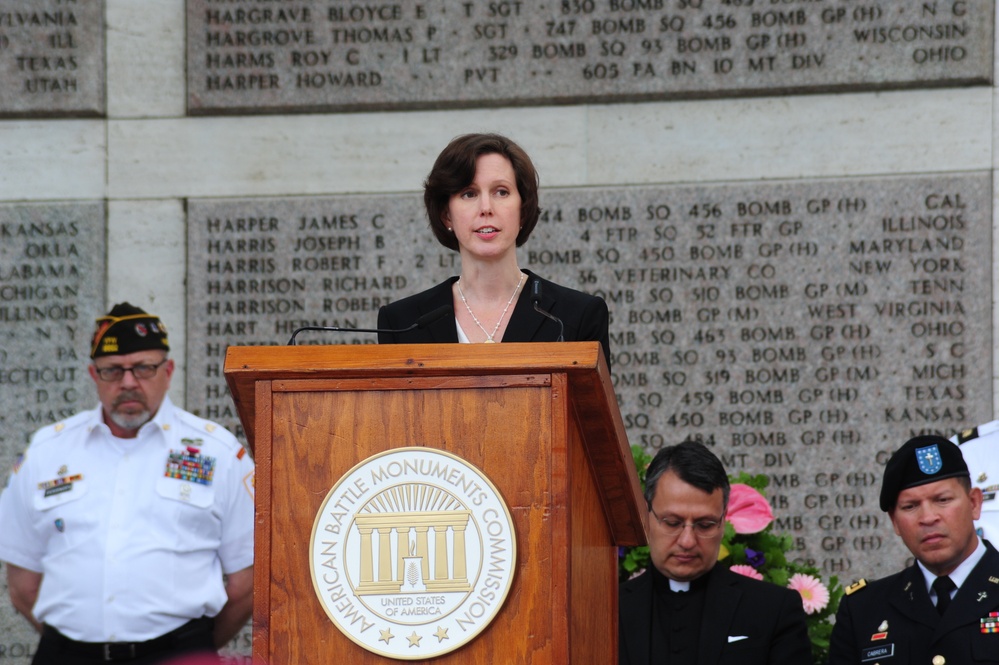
x=412, y=553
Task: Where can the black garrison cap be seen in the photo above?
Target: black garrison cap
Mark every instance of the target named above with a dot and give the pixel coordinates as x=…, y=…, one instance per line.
x=127, y=329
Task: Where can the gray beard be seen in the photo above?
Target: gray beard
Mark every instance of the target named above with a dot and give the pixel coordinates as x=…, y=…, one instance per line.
x=133, y=422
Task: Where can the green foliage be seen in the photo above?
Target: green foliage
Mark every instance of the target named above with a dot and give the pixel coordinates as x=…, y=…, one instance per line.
x=633, y=560
x=775, y=548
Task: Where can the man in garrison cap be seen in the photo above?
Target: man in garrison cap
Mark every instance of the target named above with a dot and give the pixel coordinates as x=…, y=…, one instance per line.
x=128, y=529
x=944, y=609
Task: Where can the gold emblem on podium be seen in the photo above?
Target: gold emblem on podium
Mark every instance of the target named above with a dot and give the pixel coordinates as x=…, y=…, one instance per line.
x=412, y=553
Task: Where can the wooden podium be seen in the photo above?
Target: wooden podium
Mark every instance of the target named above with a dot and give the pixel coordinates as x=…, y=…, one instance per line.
x=539, y=420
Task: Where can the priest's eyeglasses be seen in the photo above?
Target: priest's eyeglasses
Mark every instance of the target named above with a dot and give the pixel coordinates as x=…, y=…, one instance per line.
x=671, y=526
x=116, y=373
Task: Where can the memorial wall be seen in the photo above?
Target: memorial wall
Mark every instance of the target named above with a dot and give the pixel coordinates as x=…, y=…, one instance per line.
x=799, y=328
x=311, y=55
x=52, y=58
x=787, y=205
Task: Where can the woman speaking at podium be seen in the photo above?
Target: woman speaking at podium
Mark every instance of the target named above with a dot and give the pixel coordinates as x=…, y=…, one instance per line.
x=482, y=201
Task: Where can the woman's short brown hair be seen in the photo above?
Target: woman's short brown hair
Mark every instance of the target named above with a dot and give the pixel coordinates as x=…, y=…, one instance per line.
x=454, y=170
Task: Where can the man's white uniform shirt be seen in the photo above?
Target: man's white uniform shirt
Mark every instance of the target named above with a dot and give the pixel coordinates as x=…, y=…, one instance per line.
x=980, y=448
x=127, y=552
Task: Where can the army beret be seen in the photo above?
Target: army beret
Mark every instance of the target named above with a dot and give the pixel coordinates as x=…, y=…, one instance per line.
x=921, y=460
x=127, y=329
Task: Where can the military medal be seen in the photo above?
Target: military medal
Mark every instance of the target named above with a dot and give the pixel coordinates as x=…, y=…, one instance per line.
x=190, y=465
x=990, y=624
x=882, y=633
x=59, y=485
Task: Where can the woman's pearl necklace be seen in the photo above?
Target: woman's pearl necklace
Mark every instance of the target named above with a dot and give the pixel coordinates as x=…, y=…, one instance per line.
x=489, y=336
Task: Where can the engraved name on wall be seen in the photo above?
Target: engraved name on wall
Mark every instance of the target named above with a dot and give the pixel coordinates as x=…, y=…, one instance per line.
x=52, y=58
x=308, y=55
x=52, y=278
x=802, y=329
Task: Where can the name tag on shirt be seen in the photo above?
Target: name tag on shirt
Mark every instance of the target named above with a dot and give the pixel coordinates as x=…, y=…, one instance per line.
x=58, y=491
x=875, y=653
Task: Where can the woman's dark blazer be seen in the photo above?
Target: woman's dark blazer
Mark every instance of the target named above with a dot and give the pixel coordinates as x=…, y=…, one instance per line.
x=585, y=316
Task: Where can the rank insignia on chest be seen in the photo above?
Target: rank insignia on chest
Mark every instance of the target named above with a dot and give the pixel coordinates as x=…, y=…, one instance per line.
x=882, y=633
x=59, y=485
x=190, y=465
x=990, y=624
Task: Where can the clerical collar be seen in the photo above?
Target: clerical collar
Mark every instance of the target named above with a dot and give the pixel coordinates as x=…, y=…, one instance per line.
x=662, y=583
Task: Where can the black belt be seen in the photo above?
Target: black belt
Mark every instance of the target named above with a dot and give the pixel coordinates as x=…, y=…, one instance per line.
x=112, y=651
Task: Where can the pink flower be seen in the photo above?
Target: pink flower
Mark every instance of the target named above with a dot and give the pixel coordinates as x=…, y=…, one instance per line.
x=814, y=595
x=748, y=571
x=748, y=511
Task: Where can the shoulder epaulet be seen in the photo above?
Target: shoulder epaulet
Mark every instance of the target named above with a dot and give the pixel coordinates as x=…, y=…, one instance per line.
x=855, y=587
x=966, y=435
x=55, y=429
x=984, y=431
x=208, y=428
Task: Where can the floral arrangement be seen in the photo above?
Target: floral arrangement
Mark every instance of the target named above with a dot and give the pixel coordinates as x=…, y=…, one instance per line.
x=750, y=547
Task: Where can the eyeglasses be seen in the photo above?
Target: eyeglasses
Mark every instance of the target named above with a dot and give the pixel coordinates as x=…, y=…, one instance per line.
x=116, y=373
x=674, y=527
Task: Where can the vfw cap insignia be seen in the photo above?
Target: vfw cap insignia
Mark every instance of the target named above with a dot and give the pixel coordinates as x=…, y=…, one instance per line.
x=929, y=459
x=412, y=553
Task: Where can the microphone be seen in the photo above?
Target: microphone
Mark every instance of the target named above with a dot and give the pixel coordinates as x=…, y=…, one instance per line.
x=422, y=322
x=536, y=298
